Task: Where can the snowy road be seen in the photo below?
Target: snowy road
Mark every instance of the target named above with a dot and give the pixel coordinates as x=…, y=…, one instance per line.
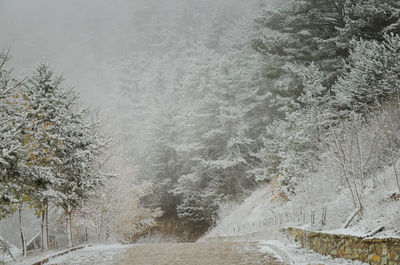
x=95, y=255
x=208, y=253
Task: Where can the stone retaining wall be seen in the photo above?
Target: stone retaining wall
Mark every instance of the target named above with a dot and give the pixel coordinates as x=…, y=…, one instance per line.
x=370, y=250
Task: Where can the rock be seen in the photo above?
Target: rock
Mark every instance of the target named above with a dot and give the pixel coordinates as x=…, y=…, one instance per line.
x=376, y=258
x=384, y=250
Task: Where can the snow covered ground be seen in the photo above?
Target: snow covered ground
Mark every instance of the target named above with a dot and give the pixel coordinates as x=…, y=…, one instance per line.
x=91, y=255
x=6, y=248
x=94, y=255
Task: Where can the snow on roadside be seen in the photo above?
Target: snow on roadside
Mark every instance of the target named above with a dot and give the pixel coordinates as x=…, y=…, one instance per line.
x=300, y=256
x=98, y=254
x=247, y=217
x=4, y=256
x=20, y=260
x=267, y=249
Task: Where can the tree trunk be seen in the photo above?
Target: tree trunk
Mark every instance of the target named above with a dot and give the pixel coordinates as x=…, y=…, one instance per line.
x=86, y=234
x=47, y=225
x=70, y=227
x=44, y=237
x=42, y=233
x=23, y=241
x=68, y=212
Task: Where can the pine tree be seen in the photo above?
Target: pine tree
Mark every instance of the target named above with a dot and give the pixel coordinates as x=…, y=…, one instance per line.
x=370, y=20
x=307, y=32
x=372, y=76
x=17, y=184
x=11, y=129
x=319, y=32
x=67, y=142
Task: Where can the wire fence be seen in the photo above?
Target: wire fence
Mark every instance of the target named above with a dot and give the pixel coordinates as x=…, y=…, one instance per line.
x=295, y=217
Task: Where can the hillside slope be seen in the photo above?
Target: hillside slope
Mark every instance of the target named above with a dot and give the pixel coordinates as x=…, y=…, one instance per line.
x=267, y=211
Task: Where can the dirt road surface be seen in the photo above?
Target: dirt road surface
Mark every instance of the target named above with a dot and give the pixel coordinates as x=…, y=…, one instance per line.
x=207, y=253
x=204, y=253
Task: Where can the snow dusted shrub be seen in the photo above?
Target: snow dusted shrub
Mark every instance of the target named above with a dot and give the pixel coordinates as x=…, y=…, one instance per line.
x=351, y=171
x=198, y=210
x=388, y=120
x=133, y=220
x=357, y=168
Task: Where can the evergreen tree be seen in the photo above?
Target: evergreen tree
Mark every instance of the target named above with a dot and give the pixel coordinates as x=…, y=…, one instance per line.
x=68, y=143
x=370, y=20
x=319, y=32
x=307, y=32
x=13, y=154
x=372, y=75
x=15, y=186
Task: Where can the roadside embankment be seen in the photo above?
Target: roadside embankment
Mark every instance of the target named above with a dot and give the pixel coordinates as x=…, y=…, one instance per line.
x=375, y=251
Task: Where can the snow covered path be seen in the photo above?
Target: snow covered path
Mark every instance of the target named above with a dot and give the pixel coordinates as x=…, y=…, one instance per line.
x=207, y=253
x=95, y=255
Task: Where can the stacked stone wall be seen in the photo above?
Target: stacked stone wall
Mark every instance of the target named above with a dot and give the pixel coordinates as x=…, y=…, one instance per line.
x=376, y=251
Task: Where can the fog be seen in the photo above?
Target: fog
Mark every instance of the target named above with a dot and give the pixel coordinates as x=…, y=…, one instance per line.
x=78, y=38
x=85, y=39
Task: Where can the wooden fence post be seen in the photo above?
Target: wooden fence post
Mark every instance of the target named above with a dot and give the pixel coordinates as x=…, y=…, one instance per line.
x=323, y=219
x=312, y=217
